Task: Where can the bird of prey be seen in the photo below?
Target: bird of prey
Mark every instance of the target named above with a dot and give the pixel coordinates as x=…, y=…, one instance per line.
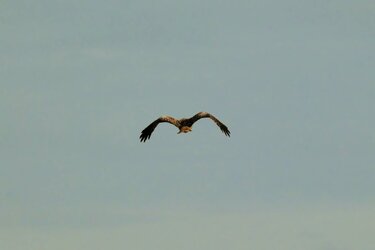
x=184, y=125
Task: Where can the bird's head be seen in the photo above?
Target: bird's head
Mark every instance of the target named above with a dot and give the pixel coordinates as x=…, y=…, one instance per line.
x=185, y=129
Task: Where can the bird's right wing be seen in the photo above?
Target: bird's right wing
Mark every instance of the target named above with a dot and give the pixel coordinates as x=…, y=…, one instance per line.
x=146, y=133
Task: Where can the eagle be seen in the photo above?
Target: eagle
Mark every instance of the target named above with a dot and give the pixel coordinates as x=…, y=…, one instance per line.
x=184, y=125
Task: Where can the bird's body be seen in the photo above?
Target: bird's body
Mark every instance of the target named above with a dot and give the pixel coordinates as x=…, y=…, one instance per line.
x=184, y=125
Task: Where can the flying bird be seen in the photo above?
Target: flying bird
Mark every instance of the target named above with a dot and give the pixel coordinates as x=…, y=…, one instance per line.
x=184, y=125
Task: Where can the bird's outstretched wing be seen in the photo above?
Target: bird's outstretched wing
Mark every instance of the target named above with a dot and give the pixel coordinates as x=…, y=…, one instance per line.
x=146, y=133
x=200, y=115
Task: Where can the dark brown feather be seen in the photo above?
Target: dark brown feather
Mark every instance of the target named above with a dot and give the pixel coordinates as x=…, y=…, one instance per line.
x=201, y=115
x=146, y=133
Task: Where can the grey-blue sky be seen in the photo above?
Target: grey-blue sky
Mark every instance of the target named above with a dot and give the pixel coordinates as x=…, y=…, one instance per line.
x=293, y=80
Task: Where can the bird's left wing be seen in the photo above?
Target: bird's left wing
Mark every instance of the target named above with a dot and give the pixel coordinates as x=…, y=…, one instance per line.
x=146, y=133
x=200, y=115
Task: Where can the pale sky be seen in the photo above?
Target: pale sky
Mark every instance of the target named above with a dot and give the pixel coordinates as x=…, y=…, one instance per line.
x=293, y=80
